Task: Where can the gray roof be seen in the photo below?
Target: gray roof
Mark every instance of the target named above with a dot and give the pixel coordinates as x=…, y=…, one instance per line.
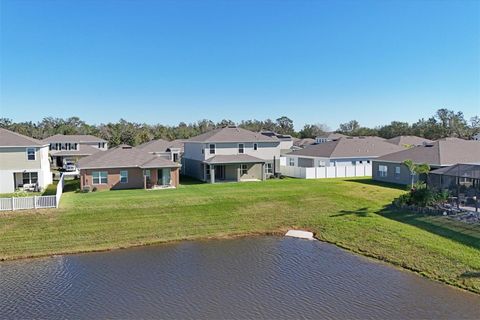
x=279, y=136
x=238, y=158
x=73, y=138
x=232, y=134
x=124, y=156
x=161, y=145
x=460, y=170
x=443, y=152
x=303, y=142
x=349, y=147
x=85, y=150
x=12, y=139
x=408, y=141
x=332, y=136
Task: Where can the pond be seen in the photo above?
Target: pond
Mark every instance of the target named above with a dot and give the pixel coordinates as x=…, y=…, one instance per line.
x=259, y=277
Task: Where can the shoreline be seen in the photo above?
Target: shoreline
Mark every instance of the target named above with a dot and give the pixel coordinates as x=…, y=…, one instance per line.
x=278, y=233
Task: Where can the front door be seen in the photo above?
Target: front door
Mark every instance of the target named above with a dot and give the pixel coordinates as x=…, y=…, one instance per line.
x=220, y=172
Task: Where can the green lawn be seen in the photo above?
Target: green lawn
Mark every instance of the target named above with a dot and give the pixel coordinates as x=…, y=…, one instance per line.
x=349, y=213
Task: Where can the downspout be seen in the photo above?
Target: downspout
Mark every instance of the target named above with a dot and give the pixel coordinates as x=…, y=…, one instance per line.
x=274, y=166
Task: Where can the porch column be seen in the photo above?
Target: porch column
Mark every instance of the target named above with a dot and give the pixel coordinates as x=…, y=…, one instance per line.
x=212, y=173
x=263, y=171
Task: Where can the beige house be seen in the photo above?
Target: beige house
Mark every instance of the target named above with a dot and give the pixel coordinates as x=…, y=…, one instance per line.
x=231, y=154
x=72, y=147
x=23, y=163
x=126, y=167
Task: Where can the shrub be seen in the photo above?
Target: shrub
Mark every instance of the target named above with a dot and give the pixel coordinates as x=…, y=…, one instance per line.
x=86, y=189
x=94, y=189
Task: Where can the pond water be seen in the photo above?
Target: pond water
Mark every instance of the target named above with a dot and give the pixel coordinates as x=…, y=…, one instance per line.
x=260, y=277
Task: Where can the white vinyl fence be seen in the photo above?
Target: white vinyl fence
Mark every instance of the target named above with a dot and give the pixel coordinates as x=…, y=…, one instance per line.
x=35, y=202
x=359, y=170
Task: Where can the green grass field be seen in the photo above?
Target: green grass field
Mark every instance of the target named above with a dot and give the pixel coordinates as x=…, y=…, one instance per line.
x=349, y=213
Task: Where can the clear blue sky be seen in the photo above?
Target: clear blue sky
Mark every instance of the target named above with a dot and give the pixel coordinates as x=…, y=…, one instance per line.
x=171, y=61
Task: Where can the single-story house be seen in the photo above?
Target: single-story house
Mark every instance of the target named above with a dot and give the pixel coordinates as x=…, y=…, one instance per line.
x=441, y=153
x=126, y=167
x=409, y=141
x=23, y=163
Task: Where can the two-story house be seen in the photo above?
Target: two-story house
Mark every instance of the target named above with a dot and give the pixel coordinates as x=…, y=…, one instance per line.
x=231, y=154
x=23, y=163
x=171, y=150
x=72, y=147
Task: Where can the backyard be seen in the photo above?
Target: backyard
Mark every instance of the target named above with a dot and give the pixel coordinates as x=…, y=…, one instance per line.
x=349, y=213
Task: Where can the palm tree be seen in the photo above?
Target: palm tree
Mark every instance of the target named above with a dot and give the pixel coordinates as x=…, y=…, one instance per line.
x=416, y=169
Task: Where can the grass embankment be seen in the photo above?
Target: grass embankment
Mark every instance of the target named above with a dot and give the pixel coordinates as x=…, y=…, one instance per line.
x=350, y=214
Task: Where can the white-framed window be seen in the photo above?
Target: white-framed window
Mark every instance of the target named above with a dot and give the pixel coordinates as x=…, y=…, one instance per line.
x=241, y=148
x=243, y=169
x=29, y=177
x=124, y=176
x=148, y=174
x=255, y=146
x=397, y=172
x=212, y=148
x=291, y=162
x=99, y=177
x=382, y=171
x=30, y=153
x=321, y=163
x=268, y=168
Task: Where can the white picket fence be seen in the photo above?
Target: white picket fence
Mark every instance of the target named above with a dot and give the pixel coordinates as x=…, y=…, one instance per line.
x=35, y=202
x=359, y=170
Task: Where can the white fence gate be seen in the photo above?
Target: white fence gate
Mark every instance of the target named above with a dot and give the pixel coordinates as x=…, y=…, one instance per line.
x=35, y=202
x=359, y=170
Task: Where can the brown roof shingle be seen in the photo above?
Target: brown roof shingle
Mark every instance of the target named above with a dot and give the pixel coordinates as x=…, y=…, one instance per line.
x=232, y=134
x=408, y=141
x=12, y=139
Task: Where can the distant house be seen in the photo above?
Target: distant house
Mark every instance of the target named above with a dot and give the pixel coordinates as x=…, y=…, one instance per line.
x=72, y=147
x=329, y=136
x=23, y=163
x=441, y=153
x=231, y=154
x=341, y=152
x=302, y=143
x=171, y=150
x=409, y=141
x=286, y=141
x=126, y=167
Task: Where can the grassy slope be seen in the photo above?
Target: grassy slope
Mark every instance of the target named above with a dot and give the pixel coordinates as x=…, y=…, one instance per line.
x=348, y=213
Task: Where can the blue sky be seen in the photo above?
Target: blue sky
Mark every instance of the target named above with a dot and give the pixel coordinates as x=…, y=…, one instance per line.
x=171, y=61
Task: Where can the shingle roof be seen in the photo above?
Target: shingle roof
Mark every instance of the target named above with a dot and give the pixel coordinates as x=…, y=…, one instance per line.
x=349, y=147
x=442, y=152
x=161, y=145
x=408, y=141
x=303, y=142
x=124, y=156
x=85, y=150
x=238, y=158
x=12, y=139
x=78, y=138
x=232, y=134
x=332, y=136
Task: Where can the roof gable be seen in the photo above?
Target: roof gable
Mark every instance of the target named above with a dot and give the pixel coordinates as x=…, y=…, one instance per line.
x=13, y=139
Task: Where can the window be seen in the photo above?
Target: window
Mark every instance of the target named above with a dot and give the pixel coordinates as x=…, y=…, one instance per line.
x=382, y=170
x=207, y=171
x=99, y=145
x=268, y=168
x=291, y=162
x=243, y=169
x=321, y=163
x=30, y=153
x=123, y=176
x=397, y=172
x=255, y=146
x=212, y=148
x=354, y=163
x=30, y=177
x=148, y=175
x=99, y=177
x=241, y=148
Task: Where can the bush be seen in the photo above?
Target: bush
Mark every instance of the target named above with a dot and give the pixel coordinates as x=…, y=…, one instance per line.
x=94, y=189
x=421, y=196
x=86, y=189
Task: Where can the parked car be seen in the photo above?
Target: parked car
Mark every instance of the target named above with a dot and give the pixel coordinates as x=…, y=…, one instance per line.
x=69, y=166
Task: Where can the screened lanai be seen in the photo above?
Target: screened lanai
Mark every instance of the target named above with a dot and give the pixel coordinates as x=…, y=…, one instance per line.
x=462, y=182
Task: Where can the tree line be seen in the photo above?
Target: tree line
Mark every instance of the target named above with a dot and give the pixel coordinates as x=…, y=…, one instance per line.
x=444, y=123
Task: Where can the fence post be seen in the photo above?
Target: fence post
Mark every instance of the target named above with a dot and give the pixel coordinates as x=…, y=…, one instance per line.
x=13, y=203
x=35, y=202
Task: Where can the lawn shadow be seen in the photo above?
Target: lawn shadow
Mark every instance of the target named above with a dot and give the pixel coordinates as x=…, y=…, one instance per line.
x=470, y=274
x=362, y=212
x=371, y=182
x=463, y=233
x=187, y=181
